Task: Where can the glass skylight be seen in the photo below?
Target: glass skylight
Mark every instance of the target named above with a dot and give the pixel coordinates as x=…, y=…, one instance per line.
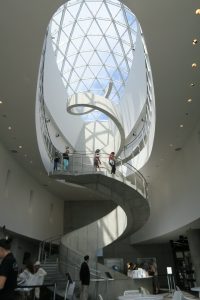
x=94, y=45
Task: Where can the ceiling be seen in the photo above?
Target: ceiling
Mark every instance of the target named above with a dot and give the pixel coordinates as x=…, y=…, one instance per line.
x=169, y=28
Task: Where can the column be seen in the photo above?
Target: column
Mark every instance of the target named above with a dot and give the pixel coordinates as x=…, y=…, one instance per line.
x=194, y=244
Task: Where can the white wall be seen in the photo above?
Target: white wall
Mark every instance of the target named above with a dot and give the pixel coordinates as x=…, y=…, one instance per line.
x=136, y=90
x=175, y=193
x=25, y=207
x=55, y=97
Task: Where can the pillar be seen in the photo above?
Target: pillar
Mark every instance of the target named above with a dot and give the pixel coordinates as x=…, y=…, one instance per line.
x=194, y=244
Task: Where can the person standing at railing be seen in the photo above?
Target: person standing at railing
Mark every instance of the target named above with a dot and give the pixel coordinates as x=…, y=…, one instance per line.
x=40, y=273
x=97, y=161
x=84, y=278
x=112, y=162
x=66, y=159
x=56, y=161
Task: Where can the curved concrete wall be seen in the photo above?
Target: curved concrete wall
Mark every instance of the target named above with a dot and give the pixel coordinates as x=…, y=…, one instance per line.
x=174, y=193
x=25, y=206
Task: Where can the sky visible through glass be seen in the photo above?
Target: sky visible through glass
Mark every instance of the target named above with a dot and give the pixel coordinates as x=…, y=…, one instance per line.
x=94, y=44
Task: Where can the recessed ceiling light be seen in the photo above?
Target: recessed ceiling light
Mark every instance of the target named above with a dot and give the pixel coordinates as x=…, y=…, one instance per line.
x=194, y=42
x=9, y=127
x=171, y=145
x=20, y=147
x=181, y=125
x=1, y=102
x=192, y=84
x=197, y=12
x=189, y=100
x=194, y=65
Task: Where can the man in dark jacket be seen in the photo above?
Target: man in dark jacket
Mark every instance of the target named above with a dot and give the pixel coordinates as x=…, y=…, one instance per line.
x=8, y=271
x=85, y=278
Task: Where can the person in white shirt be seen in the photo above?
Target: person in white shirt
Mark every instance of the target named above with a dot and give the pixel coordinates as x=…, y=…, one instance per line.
x=39, y=274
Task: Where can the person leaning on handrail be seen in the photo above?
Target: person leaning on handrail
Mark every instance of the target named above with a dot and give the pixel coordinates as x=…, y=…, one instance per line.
x=8, y=271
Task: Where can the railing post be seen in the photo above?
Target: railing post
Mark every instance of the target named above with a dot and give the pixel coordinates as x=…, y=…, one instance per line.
x=54, y=292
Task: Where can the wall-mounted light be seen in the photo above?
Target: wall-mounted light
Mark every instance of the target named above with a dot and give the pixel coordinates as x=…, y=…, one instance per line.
x=194, y=65
x=197, y=12
x=194, y=42
x=1, y=102
x=192, y=84
x=9, y=127
x=189, y=100
x=181, y=125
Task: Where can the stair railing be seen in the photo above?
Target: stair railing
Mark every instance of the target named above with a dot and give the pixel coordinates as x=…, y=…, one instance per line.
x=46, y=246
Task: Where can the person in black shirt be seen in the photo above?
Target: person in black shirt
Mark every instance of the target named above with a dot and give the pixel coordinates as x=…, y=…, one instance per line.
x=84, y=278
x=8, y=271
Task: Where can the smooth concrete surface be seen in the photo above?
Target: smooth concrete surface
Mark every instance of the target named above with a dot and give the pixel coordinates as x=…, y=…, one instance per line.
x=194, y=245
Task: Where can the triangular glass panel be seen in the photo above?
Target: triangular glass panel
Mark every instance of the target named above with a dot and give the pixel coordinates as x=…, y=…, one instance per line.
x=71, y=50
x=80, y=71
x=63, y=47
x=112, y=42
x=103, y=46
x=133, y=35
x=103, y=56
x=103, y=13
x=124, y=66
x=79, y=62
x=67, y=30
x=63, y=38
x=74, y=86
x=114, y=9
x=126, y=37
x=118, y=49
x=54, y=28
x=134, y=26
x=88, y=83
x=84, y=13
x=77, y=32
x=130, y=18
x=103, y=24
x=70, y=91
x=103, y=73
x=82, y=87
x=85, y=25
x=95, y=40
x=59, y=56
x=111, y=31
x=73, y=10
x=87, y=56
x=117, y=75
x=67, y=20
x=119, y=58
x=110, y=61
x=67, y=67
x=95, y=69
x=94, y=6
x=71, y=60
x=104, y=83
x=96, y=85
x=130, y=55
x=121, y=29
x=86, y=46
x=94, y=29
x=74, y=77
x=88, y=73
x=95, y=60
x=57, y=17
x=127, y=48
x=59, y=64
x=119, y=18
x=110, y=71
x=77, y=42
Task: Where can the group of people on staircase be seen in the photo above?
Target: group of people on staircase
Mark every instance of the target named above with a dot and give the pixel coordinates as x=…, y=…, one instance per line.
x=111, y=161
x=97, y=161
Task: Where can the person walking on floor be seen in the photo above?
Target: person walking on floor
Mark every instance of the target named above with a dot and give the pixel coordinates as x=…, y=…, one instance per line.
x=112, y=162
x=8, y=271
x=84, y=278
x=56, y=161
